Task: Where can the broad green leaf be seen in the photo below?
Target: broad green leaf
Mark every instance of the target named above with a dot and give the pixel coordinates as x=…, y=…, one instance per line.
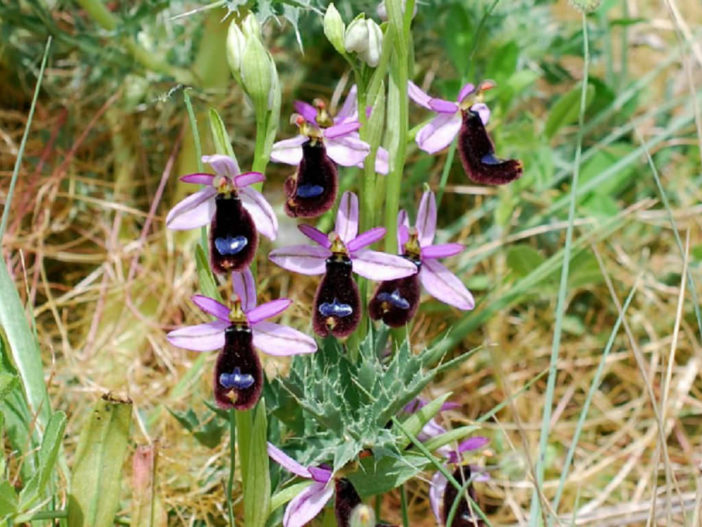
x=8, y=382
x=97, y=469
x=8, y=500
x=380, y=476
x=415, y=422
x=523, y=259
x=604, y=159
x=281, y=497
x=254, y=462
x=219, y=135
x=565, y=110
x=209, y=432
x=48, y=454
x=23, y=349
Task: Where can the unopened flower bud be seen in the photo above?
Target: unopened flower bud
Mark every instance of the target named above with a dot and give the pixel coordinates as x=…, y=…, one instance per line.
x=362, y=516
x=258, y=74
x=364, y=37
x=251, y=27
x=334, y=28
x=236, y=42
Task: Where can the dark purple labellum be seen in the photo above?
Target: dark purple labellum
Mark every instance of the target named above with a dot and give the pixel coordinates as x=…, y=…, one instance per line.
x=346, y=499
x=395, y=302
x=337, y=303
x=233, y=235
x=312, y=190
x=478, y=154
x=464, y=516
x=238, y=377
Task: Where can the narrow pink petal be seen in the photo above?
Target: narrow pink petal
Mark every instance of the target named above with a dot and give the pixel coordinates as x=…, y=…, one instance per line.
x=287, y=462
x=307, y=111
x=482, y=110
x=261, y=212
x=321, y=475
x=349, y=109
x=381, y=266
x=442, y=106
x=303, y=259
x=367, y=238
x=431, y=429
x=347, y=151
x=305, y=506
x=418, y=96
x=439, y=133
x=198, y=178
x=211, y=307
x=194, y=211
x=466, y=91
x=289, y=151
x=441, y=250
x=315, y=235
x=445, y=286
x=347, y=217
x=203, y=337
x=436, y=495
x=426, y=219
x=402, y=229
x=248, y=178
x=473, y=443
x=223, y=165
x=341, y=129
x=245, y=288
x=281, y=341
x=267, y=310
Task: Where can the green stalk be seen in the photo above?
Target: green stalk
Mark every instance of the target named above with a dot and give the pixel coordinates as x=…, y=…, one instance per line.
x=405, y=512
x=563, y=287
x=232, y=465
x=397, y=105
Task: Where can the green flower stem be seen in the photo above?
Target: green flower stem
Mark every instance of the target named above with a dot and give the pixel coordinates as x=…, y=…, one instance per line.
x=232, y=465
x=104, y=17
x=397, y=107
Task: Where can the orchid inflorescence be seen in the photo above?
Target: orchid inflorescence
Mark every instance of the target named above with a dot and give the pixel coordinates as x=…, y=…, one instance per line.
x=237, y=212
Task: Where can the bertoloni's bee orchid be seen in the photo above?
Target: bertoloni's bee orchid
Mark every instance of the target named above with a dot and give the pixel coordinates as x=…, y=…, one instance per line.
x=396, y=301
x=238, y=377
x=235, y=211
x=466, y=118
x=337, y=307
x=323, y=143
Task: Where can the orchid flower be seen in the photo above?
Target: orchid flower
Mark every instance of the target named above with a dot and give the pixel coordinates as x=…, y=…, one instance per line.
x=238, y=377
x=234, y=210
x=337, y=309
x=306, y=505
x=309, y=503
x=466, y=118
x=323, y=143
x=396, y=301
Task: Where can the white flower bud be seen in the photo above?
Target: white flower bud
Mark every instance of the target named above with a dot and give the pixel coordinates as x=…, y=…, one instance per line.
x=258, y=74
x=251, y=27
x=334, y=28
x=365, y=38
x=236, y=42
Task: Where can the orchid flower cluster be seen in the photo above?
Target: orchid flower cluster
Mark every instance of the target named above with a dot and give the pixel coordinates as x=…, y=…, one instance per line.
x=231, y=203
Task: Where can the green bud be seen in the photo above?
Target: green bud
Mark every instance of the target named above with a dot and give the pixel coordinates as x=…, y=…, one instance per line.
x=362, y=516
x=334, y=28
x=258, y=74
x=364, y=37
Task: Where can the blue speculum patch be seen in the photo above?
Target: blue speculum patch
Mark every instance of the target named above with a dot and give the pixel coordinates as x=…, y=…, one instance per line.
x=394, y=299
x=236, y=380
x=230, y=245
x=309, y=191
x=335, y=309
x=490, y=159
